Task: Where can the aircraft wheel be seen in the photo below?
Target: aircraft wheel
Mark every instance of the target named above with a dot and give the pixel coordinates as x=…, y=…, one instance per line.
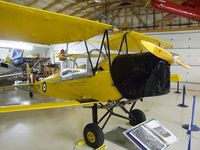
x=138, y=117
x=93, y=135
x=31, y=94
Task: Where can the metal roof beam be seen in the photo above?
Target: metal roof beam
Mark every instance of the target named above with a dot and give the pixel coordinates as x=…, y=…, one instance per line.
x=79, y=10
x=33, y=2
x=52, y=4
x=66, y=7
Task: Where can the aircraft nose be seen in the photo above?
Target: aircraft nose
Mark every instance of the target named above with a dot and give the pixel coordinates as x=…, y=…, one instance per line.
x=140, y=75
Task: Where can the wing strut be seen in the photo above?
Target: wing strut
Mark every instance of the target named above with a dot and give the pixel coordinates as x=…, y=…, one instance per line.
x=89, y=57
x=122, y=41
x=102, y=42
x=108, y=48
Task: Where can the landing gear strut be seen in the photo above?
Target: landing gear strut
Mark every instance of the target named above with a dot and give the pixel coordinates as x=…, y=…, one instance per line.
x=31, y=94
x=93, y=134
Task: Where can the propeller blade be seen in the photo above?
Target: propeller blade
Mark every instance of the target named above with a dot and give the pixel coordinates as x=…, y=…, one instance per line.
x=164, y=54
x=158, y=51
x=183, y=64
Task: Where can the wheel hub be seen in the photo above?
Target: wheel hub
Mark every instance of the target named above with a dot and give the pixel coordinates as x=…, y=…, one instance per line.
x=91, y=137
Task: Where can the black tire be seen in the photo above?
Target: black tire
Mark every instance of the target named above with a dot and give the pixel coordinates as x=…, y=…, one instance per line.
x=93, y=135
x=31, y=94
x=138, y=117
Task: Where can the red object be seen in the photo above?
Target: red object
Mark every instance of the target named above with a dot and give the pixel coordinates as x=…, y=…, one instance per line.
x=169, y=16
x=62, y=52
x=189, y=9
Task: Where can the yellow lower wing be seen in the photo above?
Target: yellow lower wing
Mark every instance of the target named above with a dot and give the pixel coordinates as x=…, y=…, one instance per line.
x=14, y=108
x=17, y=85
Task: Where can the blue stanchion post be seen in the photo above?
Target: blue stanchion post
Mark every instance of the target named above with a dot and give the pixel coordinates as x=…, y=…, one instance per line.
x=191, y=123
x=183, y=98
x=191, y=127
x=190, y=139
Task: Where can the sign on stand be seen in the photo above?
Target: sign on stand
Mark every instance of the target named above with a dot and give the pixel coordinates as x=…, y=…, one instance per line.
x=150, y=135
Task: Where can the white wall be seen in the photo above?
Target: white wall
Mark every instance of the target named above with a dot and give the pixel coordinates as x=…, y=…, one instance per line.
x=3, y=53
x=40, y=49
x=187, y=44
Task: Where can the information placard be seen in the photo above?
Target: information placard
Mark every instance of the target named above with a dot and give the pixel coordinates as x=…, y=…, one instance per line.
x=151, y=135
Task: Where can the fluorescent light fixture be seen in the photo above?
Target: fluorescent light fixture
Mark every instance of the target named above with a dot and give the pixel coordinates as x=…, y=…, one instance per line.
x=13, y=44
x=97, y=1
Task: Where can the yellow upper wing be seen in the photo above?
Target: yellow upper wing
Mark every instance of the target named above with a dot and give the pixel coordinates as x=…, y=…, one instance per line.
x=134, y=41
x=21, y=23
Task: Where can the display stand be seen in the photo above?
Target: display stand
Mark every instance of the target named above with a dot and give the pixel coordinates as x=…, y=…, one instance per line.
x=150, y=135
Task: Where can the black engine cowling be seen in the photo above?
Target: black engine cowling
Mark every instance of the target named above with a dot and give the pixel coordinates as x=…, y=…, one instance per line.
x=140, y=75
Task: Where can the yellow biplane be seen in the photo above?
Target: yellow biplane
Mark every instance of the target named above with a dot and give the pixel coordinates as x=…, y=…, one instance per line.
x=111, y=81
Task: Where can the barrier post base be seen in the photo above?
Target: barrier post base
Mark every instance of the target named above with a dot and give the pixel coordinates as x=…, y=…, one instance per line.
x=177, y=92
x=182, y=105
x=193, y=127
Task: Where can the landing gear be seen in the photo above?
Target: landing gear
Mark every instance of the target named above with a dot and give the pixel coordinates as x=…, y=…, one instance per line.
x=136, y=116
x=93, y=135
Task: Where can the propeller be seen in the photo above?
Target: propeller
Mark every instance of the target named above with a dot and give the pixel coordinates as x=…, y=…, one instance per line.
x=164, y=54
x=183, y=64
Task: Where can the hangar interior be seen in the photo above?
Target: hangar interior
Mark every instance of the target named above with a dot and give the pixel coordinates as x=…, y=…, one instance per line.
x=61, y=128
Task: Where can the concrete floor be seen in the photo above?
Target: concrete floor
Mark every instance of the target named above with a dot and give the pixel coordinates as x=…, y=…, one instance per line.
x=59, y=129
